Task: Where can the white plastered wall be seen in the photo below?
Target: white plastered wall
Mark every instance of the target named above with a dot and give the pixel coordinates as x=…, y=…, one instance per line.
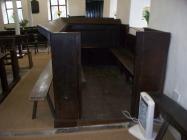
x=136, y=13
x=170, y=15
x=77, y=7
x=123, y=10
x=113, y=8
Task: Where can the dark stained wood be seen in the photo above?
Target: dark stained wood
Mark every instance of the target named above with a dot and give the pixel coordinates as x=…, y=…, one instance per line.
x=15, y=66
x=7, y=46
x=97, y=35
x=147, y=63
x=51, y=106
x=3, y=75
x=172, y=112
x=20, y=42
x=83, y=78
x=82, y=20
x=65, y=49
x=7, y=33
x=35, y=104
x=162, y=131
x=144, y=58
x=151, y=53
x=124, y=29
x=23, y=48
x=2, y=55
x=125, y=57
x=66, y=77
x=44, y=31
x=34, y=38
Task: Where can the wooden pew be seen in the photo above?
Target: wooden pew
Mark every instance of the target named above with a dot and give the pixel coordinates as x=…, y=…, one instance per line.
x=125, y=58
x=66, y=66
x=7, y=46
x=35, y=39
x=41, y=88
x=147, y=65
x=97, y=32
x=144, y=59
x=21, y=43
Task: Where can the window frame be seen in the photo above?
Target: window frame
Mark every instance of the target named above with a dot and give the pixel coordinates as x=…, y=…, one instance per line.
x=6, y=10
x=58, y=5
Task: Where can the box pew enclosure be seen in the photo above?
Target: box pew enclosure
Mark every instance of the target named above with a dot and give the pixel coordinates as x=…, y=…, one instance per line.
x=144, y=59
x=147, y=50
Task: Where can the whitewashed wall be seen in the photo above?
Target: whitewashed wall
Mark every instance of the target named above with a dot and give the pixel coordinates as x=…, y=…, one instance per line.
x=136, y=13
x=106, y=8
x=113, y=8
x=123, y=10
x=77, y=7
x=170, y=15
x=1, y=18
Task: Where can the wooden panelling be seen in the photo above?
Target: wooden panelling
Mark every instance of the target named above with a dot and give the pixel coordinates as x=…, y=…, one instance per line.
x=151, y=53
x=66, y=77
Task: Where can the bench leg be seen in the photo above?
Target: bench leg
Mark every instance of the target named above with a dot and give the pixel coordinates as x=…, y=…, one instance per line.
x=34, y=109
x=51, y=107
x=162, y=131
x=30, y=59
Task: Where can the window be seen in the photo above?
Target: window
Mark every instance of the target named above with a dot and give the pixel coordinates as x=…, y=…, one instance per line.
x=8, y=11
x=56, y=9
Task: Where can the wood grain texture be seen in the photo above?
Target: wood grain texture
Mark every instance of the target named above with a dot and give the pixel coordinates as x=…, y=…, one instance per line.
x=125, y=57
x=151, y=53
x=172, y=112
x=42, y=85
x=66, y=77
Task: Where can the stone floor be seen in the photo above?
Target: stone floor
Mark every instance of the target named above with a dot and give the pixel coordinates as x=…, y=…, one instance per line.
x=105, y=94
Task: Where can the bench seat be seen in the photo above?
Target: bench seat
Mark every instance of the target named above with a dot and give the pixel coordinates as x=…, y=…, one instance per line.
x=41, y=88
x=125, y=58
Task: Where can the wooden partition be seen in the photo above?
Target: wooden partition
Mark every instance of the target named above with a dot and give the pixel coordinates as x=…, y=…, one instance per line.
x=66, y=77
x=85, y=20
x=144, y=58
x=151, y=54
x=97, y=32
x=65, y=49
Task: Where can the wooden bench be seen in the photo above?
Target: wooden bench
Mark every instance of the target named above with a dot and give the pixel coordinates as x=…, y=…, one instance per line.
x=125, y=58
x=41, y=88
x=173, y=114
